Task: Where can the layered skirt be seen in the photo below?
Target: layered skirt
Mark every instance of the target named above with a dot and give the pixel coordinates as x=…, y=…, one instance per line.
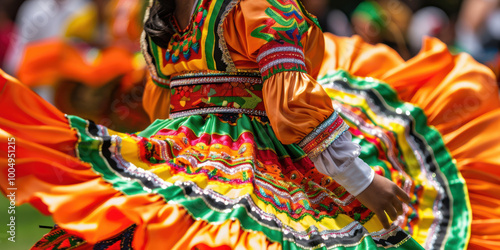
x=224, y=181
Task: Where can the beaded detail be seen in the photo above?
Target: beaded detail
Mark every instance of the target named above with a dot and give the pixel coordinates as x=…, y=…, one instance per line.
x=186, y=43
x=222, y=79
x=319, y=129
x=214, y=73
x=277, y=56
x=217, y=110
x=162, y=82
x=323, y=135
x=216, y=92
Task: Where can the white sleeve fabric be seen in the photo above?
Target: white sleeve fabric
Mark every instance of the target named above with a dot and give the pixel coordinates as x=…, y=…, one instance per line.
x=341, y=162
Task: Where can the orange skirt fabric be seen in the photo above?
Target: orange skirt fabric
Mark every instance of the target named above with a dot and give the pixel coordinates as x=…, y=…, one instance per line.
x=458, y=95
x=52, y=179
x=460, y=98
x=49, y=61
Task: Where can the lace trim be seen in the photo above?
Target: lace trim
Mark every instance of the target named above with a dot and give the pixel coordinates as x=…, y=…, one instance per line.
x=217, y=110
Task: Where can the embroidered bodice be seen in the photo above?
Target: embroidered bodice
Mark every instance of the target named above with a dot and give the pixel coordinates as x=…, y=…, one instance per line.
x=256, y=57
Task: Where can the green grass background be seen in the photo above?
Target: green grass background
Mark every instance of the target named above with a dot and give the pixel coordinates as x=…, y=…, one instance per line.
x=28, y=220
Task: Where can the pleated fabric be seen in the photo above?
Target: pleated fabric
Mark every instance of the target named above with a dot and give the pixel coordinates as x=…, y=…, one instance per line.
x=460, y=99
x=429, y=124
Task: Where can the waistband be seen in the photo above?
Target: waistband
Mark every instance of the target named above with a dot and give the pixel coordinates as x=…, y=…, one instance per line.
x=201, y=93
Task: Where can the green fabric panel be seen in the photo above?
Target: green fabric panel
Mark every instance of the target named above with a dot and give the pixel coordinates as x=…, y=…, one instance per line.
x=89, y=151
x=156, y=54
x=209, y=44
x=264, y=136
x=461, y=214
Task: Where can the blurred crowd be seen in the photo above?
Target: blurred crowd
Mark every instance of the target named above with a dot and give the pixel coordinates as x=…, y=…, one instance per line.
x=84, y=55
x=81, y=55
x=471, y=26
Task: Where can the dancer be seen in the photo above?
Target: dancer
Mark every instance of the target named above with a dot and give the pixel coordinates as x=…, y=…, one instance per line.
x=245, y=141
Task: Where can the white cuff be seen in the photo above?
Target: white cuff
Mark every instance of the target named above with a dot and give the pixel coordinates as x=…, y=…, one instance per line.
x=341, y=162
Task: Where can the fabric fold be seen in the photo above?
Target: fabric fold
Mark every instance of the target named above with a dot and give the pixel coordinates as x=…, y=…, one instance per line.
x=295, y=105
x=341, y=162
x=460, y=99
x=53, y=180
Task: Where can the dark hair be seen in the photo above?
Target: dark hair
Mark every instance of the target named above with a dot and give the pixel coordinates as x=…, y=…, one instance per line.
x=157, y=26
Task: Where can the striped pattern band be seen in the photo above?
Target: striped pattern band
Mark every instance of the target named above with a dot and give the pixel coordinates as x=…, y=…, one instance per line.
x=211, y=92
x=323, y=135
x=278, y=56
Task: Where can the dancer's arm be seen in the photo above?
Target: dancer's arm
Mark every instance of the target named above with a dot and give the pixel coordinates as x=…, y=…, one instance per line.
x=299, y=109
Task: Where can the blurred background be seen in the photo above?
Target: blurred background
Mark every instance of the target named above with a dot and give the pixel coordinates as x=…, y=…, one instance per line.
x=84, y=56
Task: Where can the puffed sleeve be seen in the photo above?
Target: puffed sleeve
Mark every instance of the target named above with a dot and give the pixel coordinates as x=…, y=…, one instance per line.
x=270, y=36
x=284, y=43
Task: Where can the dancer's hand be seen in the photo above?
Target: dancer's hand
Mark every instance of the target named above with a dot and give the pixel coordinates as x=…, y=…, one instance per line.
x=384, y=196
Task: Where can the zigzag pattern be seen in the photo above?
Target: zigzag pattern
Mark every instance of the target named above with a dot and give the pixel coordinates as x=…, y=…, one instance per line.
x=285, y=22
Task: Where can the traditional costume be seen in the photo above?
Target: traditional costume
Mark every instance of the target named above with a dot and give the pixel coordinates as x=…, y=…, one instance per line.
x=261, y=106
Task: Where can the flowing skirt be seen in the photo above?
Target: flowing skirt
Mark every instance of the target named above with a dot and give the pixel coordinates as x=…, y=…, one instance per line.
x=226, y=182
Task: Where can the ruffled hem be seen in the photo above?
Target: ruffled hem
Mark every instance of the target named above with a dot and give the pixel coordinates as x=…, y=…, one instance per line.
x=460, y=99
x=457, y=95
x=88, y=204
x=81, y=202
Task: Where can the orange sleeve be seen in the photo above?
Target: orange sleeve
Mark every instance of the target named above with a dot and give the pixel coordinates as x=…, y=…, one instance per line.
x=156, y=100
x=273, y=37
x=295, y=104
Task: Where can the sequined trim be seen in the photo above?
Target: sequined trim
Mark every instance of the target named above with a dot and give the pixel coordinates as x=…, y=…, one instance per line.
x=326, y=143
x=217, y=110
x=213, y=73
x=281, y=61
x=161, y=82
x=226, y=56
x=277, y=56
x=319, y=129
x=206, y=77
x=216, y=79
x=214, y=200
x=218, y=91
x=405, y=121
x=323, y=136
x=307, y=237
x=280, y=49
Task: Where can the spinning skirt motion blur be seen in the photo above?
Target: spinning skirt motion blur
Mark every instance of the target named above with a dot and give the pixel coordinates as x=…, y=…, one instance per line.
x=224, y=181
